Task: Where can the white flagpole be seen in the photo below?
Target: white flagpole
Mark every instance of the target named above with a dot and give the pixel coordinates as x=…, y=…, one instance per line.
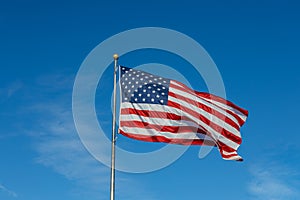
x=113, y=142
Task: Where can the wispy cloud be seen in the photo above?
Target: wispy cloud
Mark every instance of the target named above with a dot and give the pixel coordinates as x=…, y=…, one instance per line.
x=14, y=87
x=272, y=182
x=9, y=100
x=59, y=147
x=10, y=89
x=7, y=191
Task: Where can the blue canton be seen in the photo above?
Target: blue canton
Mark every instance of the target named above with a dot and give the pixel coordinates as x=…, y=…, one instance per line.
x=141, y=87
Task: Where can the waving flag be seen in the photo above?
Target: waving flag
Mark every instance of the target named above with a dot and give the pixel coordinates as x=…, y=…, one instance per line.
x=158, y=109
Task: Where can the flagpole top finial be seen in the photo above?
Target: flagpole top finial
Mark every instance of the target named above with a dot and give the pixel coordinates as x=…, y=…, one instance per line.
x=116, y=56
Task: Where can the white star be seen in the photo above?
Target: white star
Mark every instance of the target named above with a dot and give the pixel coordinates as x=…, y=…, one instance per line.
x=140, y=95
x=161, y=101
x=157, y=96
x=148, y=95
x=153, y=91
x=152, y=100
x=144, y=90
x=144, y=99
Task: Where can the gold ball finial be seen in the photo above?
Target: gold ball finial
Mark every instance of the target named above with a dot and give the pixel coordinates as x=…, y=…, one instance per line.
x=116, y=56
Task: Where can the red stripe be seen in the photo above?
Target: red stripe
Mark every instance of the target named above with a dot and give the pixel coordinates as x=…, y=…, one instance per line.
x=206, y=109
x=206, y=95
x=214, y=126
x=223, y=147
x=231, y=156
x=228, y=103
x=166, y=140
x=152, y=114
x=223, y=101
x=158, y=114
x=215, y=98
x=197, y=94
x=159, y=128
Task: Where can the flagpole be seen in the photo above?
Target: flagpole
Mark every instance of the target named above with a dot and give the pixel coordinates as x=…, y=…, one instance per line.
x=113, y=140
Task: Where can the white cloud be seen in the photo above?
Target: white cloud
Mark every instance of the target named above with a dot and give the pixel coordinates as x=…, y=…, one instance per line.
x=272, y=182
x=9, y=90
x=13, y=88
x=59, y=148
x=7, y=191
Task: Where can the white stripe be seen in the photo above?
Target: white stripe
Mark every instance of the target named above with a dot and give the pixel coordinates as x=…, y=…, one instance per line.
x=227, y=107
x=242, y=116
x=201, y=101
x=160, y=121
x=164, y=108
x=233, y=158
x=152, y=132
x=208, y=115
x=217, y=136
x=157, y=121
x=164, y=122
x=152, y=107
x=175, y=83
x=229, y=153
x=211, y=104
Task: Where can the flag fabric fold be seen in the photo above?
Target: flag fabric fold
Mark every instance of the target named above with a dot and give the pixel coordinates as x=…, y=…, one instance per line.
x=158, y=109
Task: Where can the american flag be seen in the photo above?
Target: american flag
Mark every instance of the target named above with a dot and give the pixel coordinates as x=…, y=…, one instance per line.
x=158, y=109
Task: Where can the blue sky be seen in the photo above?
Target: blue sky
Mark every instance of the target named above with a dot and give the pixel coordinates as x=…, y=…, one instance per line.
x=255, y=46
